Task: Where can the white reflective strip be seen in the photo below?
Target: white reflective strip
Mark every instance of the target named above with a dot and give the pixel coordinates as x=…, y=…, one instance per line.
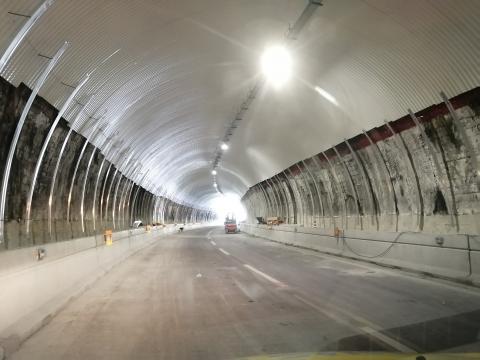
x=213, y=243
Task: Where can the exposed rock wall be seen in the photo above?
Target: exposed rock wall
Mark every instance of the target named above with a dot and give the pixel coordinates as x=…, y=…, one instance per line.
x=89, y=194
x=402, y=176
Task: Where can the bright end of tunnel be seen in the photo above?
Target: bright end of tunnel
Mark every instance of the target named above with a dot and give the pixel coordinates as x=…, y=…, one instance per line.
x=228, y=204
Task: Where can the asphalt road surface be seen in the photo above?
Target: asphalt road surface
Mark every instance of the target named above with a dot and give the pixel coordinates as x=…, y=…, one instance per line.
x=203, y=294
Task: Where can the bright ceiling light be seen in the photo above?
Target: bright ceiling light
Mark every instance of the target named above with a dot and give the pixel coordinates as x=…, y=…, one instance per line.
x=215, y=185
x=277, y=65
x=326, y=95
x=214, y=172
x=224, y=146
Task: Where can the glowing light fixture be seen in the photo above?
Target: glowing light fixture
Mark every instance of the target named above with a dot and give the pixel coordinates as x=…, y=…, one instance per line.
x=215, y=185
x=326, y=95
x=214, y=172
x=224, y=147
x=276, y=64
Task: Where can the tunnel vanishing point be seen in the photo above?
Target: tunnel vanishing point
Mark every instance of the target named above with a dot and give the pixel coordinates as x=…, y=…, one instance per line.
x=349, y=130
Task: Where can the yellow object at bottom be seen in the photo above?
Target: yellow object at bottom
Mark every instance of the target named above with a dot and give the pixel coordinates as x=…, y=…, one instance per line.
x=108, y=235
x=368, y=356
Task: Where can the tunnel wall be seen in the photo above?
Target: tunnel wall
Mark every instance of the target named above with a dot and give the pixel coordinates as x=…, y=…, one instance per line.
x=33, y=291
x=89, y=194
x=417, y=175
x=58, y=248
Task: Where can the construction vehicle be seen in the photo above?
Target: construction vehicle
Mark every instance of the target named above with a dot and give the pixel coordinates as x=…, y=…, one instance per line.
x=230, y=225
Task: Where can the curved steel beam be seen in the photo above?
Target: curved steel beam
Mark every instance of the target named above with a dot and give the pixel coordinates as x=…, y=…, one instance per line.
x=18, y=130
x=23, y=32
x=84, y=186
x=44, y=148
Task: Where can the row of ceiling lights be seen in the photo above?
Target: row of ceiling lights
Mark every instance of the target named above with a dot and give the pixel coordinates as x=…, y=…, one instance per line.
x=224, y=147
x=276, y=65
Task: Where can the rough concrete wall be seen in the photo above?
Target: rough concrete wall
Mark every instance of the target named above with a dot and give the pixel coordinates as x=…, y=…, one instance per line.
x=73, y=209
x=36, y=127
x=89, y=223
x=9, y=102
x=82, y=183
x=454, y=258
x=40, y=202
x=59, y=223
x=397, y=177
x=109, y=198
x=130, y=203
x=116, y=204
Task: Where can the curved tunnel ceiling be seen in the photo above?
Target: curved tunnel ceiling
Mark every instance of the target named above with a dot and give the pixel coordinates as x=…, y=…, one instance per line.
x=168, y=76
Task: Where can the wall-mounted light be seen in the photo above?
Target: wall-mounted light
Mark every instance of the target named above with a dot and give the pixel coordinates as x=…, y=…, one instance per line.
x=224, y=147
x=276, y=64
x=214, y=172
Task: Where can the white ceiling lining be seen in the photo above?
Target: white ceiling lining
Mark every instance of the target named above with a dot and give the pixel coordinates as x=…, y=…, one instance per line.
x=184, y=67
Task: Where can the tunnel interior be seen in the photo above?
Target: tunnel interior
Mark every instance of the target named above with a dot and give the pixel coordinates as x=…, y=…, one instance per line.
x=347, y=128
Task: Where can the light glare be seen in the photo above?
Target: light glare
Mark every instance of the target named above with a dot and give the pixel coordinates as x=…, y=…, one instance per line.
x=224, y=146
x=277, y=65
x=224, y=205
x=326, y=95
x=214, y=172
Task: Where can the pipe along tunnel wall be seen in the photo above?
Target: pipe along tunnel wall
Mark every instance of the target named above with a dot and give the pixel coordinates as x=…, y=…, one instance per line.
x=89, y=196
x=404, y=194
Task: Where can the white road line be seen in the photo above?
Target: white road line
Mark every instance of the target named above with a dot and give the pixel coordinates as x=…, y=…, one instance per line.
x=209, y=237
x=268, y=277
x=388, y=340
x=213, y=243
x=223, y=251
x=325, y=312
x=332, y=314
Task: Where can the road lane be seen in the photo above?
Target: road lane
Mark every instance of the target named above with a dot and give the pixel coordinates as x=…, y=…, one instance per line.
x=183, y=298
x=377, y=299
x=154, y=306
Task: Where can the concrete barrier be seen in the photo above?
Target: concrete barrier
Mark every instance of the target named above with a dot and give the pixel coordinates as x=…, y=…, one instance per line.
x=32, y=290
x=455, y=257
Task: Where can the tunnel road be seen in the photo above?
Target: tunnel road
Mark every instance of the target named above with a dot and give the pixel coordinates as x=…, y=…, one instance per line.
x=203, y=294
